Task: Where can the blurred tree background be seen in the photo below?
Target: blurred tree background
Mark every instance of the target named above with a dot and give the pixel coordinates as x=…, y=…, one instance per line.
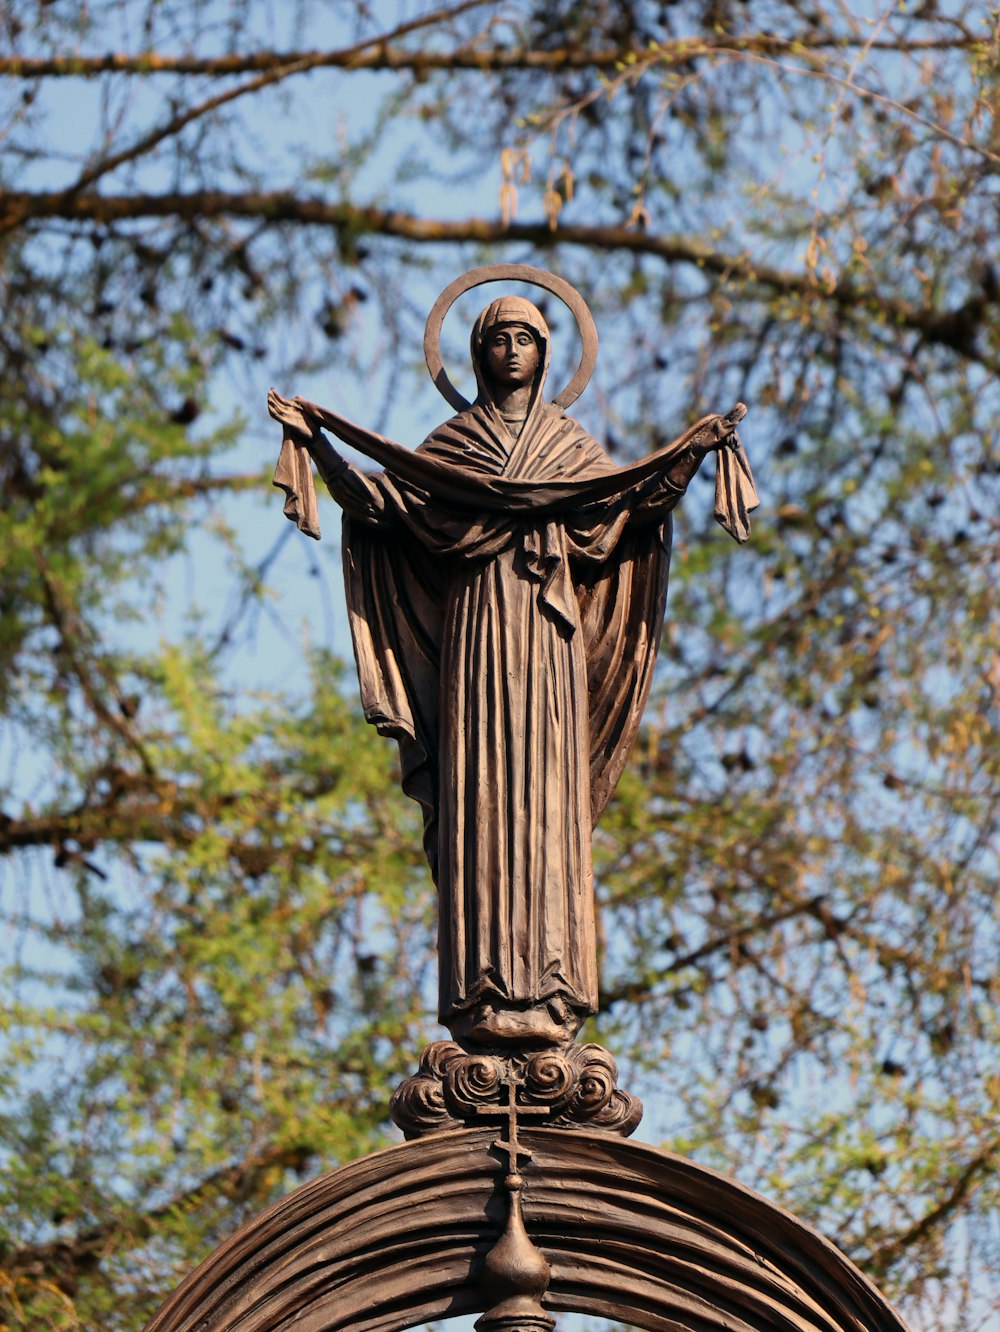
x=219, y=931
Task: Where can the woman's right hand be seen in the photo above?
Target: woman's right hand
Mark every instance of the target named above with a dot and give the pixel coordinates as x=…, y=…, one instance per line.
x=288, y=412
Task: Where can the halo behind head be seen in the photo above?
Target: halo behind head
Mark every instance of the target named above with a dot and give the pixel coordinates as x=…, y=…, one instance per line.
x=537, y=277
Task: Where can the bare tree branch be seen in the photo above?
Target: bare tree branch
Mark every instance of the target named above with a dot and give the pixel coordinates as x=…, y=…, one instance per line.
x=378, y=55
x=143, y=807
x=956, y=328
x=64, y=1260
x=274, y=75
x=964, y=1185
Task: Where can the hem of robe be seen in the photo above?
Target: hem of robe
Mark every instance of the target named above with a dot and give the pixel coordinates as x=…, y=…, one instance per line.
x=486, y=989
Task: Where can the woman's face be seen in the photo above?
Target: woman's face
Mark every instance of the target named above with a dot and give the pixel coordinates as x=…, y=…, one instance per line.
x=512, y=355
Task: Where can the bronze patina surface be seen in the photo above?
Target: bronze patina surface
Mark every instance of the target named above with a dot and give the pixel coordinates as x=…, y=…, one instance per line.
x=627, y=1232
x=506, y=585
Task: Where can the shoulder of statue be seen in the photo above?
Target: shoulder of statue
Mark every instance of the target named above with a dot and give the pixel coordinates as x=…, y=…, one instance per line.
x=459, y=426
x=558, y=423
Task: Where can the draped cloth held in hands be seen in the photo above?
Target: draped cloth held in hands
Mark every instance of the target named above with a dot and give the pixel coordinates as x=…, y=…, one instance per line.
x=293, y=475
x=735, y=492
x=506, y=595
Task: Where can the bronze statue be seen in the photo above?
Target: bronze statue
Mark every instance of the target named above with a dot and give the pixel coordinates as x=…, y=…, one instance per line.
x=506, y=584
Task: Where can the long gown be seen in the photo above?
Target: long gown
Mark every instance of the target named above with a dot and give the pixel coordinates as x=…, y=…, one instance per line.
x=510, y=654
x=505, y=585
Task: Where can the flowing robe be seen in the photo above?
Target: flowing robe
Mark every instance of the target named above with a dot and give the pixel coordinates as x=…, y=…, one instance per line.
x=509, y=648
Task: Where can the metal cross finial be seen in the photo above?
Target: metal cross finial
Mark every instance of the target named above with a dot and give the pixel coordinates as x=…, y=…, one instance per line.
x=515, y=1274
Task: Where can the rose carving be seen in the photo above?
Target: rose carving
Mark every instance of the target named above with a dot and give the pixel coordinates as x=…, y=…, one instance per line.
x=578, y=1085
x=549, y=1078
x=471, y=1081
x=417, y=1106
x=621, y=1114
x=598, y=1075
x=439, y=1057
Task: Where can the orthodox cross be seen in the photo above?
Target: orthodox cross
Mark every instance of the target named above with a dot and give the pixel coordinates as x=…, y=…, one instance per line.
x=510, y=1144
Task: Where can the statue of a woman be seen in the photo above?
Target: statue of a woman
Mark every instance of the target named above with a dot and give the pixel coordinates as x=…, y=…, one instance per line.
x=506, y=584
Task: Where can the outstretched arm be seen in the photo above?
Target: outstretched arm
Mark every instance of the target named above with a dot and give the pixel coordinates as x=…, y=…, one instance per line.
x=660, y=494
x=357, y=494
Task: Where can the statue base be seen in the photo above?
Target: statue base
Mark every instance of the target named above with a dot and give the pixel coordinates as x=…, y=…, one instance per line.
x=571, y=1088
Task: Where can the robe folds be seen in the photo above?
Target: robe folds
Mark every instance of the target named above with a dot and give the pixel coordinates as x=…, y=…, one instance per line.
x=508, y=646
x=505, y=585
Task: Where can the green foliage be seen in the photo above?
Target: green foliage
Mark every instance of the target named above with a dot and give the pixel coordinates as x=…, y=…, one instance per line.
x=220, y=925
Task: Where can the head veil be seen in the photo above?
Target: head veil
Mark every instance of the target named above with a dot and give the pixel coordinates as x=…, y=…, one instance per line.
x=506, y=310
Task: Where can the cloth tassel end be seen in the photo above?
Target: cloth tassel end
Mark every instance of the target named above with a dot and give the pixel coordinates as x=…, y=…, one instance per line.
x=735, y=493
x=294, y=476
